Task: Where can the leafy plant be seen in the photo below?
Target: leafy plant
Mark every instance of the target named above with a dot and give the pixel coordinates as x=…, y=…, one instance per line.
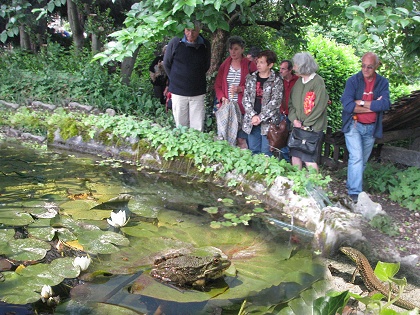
x=406, y=189
x=378, y=176
x=385, y=224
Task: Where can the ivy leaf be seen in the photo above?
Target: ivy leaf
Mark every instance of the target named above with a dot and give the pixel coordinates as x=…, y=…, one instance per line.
x=384, y=271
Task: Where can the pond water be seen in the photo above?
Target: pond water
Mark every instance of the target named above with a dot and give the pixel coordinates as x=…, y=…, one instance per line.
x=54, y=206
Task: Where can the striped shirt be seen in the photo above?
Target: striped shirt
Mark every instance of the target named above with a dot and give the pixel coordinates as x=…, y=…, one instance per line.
x=233, y=78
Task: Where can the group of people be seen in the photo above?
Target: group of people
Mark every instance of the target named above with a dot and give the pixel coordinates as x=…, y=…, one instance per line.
x=251, y=95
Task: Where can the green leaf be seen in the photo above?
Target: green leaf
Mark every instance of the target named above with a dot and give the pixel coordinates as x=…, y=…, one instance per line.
x=212, y=210
x=28, y=249
x=403, y=11
x=188, y=10
x=102, y=242
x=15, y=218
x=400, y=282
x=231, y=6
x=384, y=271
x=331, y=304
x=3, y=36
x=50, y=6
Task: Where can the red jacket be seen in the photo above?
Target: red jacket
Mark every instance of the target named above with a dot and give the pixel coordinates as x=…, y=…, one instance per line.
x=221, y=86
x=287, y=86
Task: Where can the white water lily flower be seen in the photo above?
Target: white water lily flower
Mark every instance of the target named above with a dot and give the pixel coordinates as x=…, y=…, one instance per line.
x=46, y=292
x=82, y=262
x=118, y=219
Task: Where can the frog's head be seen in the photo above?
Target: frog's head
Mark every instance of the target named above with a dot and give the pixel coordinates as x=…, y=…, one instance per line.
x=216, y=267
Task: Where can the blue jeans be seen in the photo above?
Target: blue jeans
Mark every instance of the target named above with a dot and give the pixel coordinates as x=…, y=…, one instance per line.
x=257, y=142
x=359, y=142
x=285, y=152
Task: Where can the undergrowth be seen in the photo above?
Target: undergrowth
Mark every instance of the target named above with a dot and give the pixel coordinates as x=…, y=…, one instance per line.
x=402, y=184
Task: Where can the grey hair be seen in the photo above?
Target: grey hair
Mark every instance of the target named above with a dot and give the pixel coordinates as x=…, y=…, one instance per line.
x=235, y=40
x=371, y=54
x=305, y=63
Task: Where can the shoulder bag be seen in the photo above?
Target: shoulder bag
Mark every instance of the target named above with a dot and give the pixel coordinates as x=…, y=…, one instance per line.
x=277, y=135
x=303, y=140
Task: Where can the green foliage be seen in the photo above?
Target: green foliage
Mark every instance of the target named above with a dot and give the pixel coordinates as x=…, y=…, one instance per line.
x=378, y=176
x=406, y=189
x=336, y=64
x=385, y=224
x=27, y=121
x=388, y=23
x=56, y=75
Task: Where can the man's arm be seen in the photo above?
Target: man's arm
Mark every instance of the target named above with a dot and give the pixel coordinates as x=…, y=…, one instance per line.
x=169, y=55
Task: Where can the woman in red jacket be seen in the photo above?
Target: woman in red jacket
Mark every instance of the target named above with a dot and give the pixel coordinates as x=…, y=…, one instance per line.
x=230, y=85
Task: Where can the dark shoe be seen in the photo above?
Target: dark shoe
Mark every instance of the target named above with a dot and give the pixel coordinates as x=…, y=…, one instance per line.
x=354, y=198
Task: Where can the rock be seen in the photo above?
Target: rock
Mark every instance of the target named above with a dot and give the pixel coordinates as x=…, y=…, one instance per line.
x=367, y=207
x=29, y=136
x=38, y=104
x=410, y=260
x=12, y=105
x=85, y=108
x=111, y=112
x=337, y=226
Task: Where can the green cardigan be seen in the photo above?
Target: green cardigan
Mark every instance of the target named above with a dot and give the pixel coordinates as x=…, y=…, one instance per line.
x=317, y=119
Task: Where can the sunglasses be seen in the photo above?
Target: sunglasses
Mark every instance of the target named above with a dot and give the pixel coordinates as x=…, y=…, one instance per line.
x=368, y=67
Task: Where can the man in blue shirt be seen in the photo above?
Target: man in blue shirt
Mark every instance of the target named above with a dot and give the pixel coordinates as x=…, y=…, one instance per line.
x=365, y=98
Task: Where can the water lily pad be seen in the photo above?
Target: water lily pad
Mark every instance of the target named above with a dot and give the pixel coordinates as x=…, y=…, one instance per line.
x=6, y=235
x=51, y=274
x=102, y=242
x=15, y=218
x=81, y=210
x=27, y=249
x=42, y=230
x=24, y=285
x=141, y=230
x=16, y=289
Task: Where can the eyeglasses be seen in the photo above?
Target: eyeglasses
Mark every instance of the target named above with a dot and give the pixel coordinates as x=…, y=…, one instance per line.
x=367, y=67
x=284, y=69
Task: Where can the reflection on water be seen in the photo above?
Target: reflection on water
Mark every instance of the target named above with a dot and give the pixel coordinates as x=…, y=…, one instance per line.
x=168, y=213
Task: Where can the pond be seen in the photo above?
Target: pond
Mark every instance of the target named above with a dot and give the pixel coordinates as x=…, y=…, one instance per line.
x=56, y=205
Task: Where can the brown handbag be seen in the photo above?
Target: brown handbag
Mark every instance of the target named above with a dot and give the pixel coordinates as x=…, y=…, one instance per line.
x=277, y=135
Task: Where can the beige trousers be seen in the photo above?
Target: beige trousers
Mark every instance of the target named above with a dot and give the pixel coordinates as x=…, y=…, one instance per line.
x=189, y=111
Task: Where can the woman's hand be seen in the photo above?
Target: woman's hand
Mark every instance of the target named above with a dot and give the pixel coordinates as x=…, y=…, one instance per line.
x=255, y=120
x=297, y=123
x=234, y=89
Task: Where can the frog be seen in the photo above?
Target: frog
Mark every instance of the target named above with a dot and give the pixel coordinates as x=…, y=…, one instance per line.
x=189, y=271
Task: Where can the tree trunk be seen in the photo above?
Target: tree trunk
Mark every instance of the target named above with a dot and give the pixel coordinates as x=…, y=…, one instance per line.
x=96, y=43
x=218, y=49
x=127, y=67
x=75, y=24
x=25, y=42
x=218, y=53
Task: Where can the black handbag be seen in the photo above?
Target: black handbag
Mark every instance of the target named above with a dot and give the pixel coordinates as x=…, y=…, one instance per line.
x=303, y=140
